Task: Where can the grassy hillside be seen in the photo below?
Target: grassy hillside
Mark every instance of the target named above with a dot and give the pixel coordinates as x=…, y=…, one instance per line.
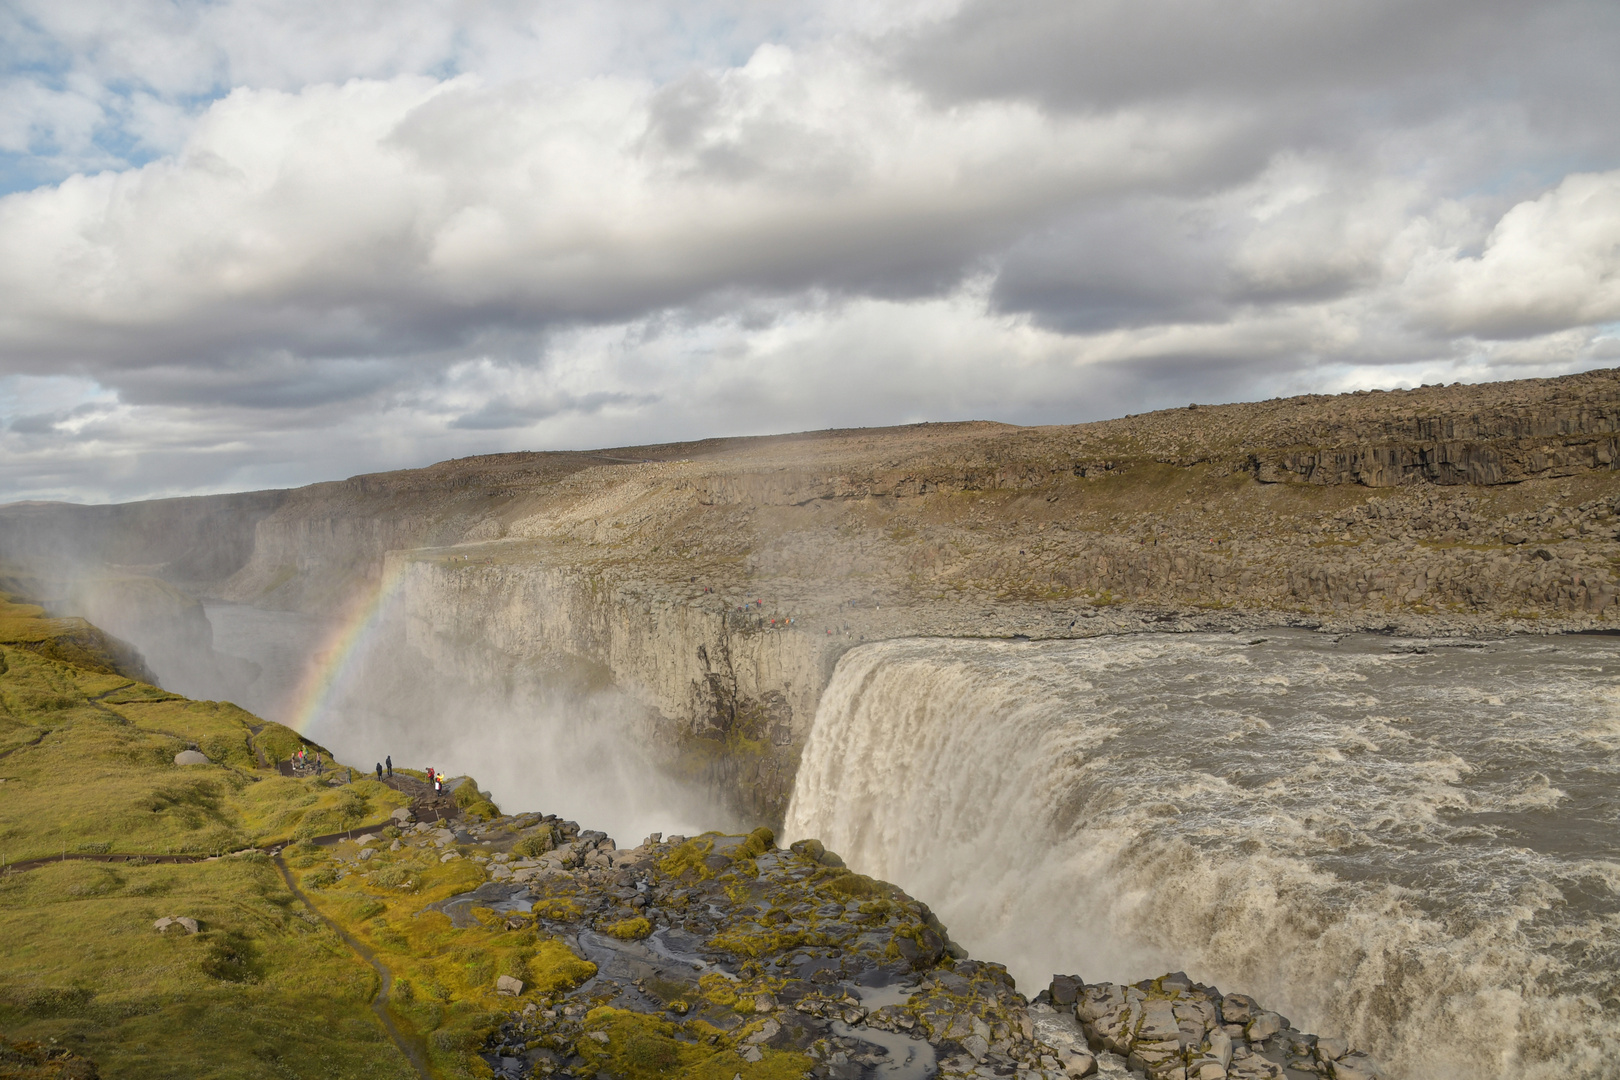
x=296, y=930
x=264, y=988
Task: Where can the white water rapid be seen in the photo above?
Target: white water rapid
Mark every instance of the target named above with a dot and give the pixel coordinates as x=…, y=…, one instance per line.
x=1413, y=844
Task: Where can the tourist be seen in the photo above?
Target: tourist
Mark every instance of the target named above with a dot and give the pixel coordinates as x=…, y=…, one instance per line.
x=379, y=770
x=388, y=762
x=438, y=782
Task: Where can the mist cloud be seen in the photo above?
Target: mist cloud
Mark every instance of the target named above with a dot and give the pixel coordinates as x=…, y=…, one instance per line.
x=273, y=245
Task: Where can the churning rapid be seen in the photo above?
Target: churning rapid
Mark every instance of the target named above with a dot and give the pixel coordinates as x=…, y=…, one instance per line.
x=1412, y=843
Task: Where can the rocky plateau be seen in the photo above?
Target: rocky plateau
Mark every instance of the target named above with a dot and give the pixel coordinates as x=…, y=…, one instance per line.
x=718, y=582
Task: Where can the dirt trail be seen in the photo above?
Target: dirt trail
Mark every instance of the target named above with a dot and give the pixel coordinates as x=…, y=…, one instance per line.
x=408, y=1046
x=426, y=804
x=89, y=856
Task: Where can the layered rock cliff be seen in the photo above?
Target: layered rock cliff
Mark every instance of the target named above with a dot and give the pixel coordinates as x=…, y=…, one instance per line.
x=718, y=582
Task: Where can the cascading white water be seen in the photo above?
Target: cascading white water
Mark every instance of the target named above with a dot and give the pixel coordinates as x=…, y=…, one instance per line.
x=1412, y=845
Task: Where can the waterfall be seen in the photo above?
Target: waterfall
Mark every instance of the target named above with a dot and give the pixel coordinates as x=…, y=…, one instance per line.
x=1339, y=828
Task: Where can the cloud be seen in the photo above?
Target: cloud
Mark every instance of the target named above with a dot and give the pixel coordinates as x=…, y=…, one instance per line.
x=275, y=245
x=500, y=414
x=399, y=217
x=1550, y=263
x=1109, y=53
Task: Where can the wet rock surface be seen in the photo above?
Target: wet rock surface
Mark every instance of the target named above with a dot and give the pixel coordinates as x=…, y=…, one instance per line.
x=1172, y=1028
x=727, y=953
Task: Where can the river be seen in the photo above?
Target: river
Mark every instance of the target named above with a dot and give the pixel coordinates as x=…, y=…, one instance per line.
x=1415, y=844
x=1411, y=843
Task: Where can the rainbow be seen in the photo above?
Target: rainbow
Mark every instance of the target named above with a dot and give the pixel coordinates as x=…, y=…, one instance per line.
x=341, y=644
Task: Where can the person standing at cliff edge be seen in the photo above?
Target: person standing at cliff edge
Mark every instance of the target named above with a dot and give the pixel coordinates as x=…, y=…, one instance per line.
x=379, y=770
x=388, y=763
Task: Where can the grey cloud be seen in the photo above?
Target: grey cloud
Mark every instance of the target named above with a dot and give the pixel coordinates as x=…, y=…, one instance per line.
x=1134, y=263
x=271, y=382
x=48, y=423
x=1106, y=53
x=500, y=414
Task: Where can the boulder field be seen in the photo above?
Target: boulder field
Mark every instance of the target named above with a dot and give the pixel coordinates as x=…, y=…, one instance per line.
x=725, y=955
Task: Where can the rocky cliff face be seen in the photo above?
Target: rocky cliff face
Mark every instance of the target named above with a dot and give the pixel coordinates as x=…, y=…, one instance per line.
x=718, y=582
x=194, y=541
x=729, y=706
x=1559, y=437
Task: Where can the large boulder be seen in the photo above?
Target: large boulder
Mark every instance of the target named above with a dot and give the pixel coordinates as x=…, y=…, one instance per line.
x=506, y=986
x=190, y=757
x=1065, y=989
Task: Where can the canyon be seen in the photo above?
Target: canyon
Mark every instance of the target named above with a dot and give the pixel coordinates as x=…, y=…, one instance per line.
x=716, y=584
x=1287, y=694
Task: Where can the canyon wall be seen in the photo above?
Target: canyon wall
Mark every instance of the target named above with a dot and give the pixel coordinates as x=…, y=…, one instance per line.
x=718, y=582
x=195, y=541
x=728, y=707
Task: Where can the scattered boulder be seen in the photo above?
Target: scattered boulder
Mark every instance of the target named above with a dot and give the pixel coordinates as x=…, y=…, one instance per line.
x=1077, y=1063
x=1265, y=1026
x=185, y=922
x=507, y=986
x=1174, y=1027
x=190, y=757
x=1064, y=989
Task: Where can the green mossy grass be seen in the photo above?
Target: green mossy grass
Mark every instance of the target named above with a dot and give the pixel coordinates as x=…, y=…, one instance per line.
x=265, y=989
x=259, y=992
x=642, y=1047
x=445, y=975
x=629, y=929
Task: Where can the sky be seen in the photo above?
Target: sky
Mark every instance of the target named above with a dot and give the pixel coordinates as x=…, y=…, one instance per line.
x=261, y=243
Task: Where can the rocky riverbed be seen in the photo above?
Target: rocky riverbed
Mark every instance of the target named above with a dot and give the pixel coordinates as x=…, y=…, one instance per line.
x=726, y=955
